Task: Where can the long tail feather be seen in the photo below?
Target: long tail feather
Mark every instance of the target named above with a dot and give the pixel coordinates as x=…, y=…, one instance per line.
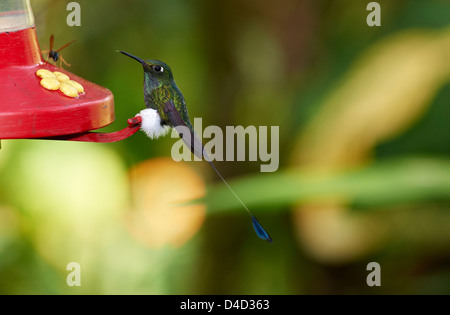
x=196, y=146
x=260, y=231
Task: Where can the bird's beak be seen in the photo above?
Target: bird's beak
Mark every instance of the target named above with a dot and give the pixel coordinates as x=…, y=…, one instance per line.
x=131, y=56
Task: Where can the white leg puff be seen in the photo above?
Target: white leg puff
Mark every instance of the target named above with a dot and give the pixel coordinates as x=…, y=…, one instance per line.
x=151, y=123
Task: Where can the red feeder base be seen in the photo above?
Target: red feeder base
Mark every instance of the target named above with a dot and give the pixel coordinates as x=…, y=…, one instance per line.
x=28, y=110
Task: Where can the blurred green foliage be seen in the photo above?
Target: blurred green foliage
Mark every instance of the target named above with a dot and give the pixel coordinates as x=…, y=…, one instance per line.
x=385, y=184
x=363, y=115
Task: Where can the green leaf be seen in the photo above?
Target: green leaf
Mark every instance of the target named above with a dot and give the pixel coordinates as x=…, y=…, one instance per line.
x=394, y=182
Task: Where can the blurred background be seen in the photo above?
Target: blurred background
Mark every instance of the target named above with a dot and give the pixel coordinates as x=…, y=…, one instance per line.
x=364, y=154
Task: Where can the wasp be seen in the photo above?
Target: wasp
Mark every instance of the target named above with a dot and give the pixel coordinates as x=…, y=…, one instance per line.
x=54, y=54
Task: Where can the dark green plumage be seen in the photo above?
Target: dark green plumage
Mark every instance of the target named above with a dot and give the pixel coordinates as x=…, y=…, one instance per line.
x=163, y=95
x=159, y=88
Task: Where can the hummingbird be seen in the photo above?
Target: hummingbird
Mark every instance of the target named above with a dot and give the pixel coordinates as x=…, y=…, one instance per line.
x=166, y=109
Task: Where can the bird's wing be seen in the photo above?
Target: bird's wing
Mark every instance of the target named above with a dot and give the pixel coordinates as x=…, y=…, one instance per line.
x=186, y=133
x=196, y=146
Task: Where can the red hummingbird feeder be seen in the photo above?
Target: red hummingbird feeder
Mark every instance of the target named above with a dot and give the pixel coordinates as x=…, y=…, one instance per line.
x=27, y=109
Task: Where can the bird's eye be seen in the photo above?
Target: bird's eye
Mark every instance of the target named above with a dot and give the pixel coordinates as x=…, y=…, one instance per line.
x=158, y=69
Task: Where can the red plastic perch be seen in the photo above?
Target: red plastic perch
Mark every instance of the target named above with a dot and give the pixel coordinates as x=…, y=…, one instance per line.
x=133, y=126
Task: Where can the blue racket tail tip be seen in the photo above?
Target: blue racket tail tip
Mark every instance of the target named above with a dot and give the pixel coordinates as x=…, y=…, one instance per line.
x=262, y=234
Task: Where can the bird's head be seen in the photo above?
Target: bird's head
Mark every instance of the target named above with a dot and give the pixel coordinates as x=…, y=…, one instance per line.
x=155, y=71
